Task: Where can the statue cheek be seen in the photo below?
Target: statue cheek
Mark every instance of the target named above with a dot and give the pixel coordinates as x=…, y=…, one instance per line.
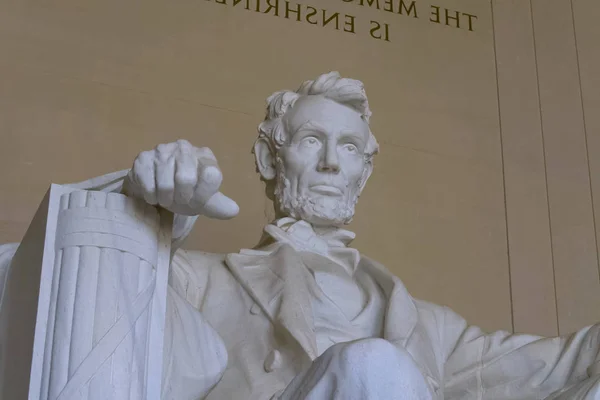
x=354, y=173
x=299, y=161
x=293, y=180
x=296, y=171
x=353, y=163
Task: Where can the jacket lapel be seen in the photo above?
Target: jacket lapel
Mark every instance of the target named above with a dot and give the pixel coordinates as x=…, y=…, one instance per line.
x=279, y=282
x=281, y=285
x=401, y=326
x=401, y=315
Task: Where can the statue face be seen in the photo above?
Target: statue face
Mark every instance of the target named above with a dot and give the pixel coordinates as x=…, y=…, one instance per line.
x=322, y=167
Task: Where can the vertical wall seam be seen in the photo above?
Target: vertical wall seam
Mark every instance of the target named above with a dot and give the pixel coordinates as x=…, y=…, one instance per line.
x=585, y=133
x=541, y=112
x=510, y=287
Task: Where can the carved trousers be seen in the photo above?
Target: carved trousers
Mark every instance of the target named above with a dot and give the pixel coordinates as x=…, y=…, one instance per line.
x=367, y=369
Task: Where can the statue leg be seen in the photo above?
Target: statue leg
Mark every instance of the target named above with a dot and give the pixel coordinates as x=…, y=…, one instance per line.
x=368, y=369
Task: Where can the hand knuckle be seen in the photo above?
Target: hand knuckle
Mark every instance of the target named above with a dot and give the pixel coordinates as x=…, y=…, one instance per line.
x=138, y=166
x=206, y=151
x=163, y=148
x=144, y=157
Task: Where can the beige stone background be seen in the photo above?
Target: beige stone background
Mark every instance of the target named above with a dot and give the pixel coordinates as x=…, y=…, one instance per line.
x=484, y=197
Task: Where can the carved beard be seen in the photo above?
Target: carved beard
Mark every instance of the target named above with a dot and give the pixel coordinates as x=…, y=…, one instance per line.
x=314, y=210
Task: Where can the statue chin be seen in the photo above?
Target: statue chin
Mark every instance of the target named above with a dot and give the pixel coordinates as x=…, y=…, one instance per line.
x=319, y=211
x=320, y=217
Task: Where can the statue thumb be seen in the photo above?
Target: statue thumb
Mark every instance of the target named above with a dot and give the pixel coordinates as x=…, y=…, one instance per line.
x=220, y=206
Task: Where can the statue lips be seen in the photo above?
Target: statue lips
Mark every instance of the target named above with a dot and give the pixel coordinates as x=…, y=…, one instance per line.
x=327, y=190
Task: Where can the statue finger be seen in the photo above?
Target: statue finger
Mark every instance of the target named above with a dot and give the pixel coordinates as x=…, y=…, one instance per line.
x=205, y=155
x=184, y=145
x=143, y=178
x=209, y=181
x=165, y=182
x=165, y=150
x=186, y=177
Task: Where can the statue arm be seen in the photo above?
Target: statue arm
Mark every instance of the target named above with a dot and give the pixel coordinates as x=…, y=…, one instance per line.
x=195, y=354
x=502, y=365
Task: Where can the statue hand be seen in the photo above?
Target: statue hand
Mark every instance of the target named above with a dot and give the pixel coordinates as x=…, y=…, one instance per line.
x=181, y=178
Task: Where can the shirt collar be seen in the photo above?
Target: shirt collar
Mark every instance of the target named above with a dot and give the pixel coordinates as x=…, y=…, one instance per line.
x=330, y=242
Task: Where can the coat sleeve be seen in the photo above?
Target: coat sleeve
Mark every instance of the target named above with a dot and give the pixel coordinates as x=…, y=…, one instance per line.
x=195, y=355
x=507, y=366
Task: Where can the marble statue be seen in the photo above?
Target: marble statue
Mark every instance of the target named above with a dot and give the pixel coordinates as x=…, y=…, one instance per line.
x=302, y=315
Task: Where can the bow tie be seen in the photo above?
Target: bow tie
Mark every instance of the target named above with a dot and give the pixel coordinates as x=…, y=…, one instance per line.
x=328, y=242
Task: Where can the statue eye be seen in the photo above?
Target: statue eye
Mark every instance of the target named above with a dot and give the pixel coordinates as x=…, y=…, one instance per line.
x=311, y=141
x=351, y=148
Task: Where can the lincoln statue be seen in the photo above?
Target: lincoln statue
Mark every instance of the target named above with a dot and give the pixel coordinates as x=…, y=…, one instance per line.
x=303, y=315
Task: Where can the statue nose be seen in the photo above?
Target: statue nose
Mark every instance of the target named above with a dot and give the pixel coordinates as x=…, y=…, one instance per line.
x=329, y=161
x=329, y=167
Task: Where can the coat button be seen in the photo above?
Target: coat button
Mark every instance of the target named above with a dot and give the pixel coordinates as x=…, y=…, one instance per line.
x=273, y=361
x=255, y=309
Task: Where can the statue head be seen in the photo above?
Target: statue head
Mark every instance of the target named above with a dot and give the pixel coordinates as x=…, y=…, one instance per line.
x=315, y=149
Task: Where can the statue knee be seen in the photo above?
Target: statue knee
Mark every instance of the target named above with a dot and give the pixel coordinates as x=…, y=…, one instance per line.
x=380, y=363
x=363, y=369
x=379, y=353
x=367, y=353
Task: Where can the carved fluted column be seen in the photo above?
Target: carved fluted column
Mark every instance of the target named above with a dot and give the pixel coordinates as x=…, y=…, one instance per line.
x=102, y=297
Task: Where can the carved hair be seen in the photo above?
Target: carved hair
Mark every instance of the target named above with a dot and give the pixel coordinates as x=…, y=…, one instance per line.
x=344, y=91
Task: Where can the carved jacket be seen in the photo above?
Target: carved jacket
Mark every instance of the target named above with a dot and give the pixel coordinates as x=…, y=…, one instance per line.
x=257, y=304
x=241, y=326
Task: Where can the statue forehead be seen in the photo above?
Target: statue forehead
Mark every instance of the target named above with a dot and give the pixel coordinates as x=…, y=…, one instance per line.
x=325, y=113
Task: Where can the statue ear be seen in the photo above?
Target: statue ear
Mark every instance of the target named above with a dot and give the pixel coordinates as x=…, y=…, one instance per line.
x=265, y=159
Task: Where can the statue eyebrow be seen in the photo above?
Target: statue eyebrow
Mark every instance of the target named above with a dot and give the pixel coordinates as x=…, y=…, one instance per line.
x=352, y=136
x=311, y=125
